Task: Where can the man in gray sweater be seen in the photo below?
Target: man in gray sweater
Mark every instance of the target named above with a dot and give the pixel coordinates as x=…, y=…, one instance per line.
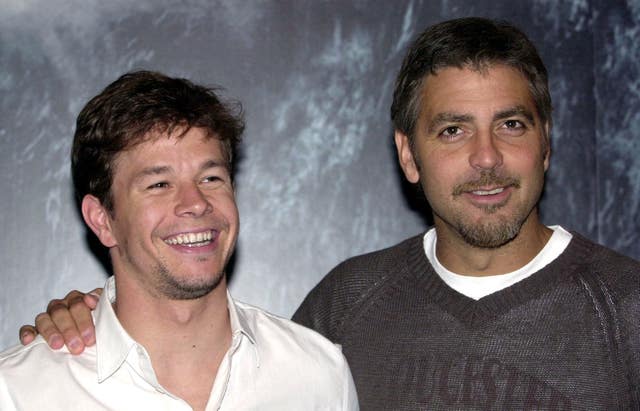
x=489, y=309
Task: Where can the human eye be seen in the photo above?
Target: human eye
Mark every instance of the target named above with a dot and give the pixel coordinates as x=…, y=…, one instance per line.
x=513, y=124
x=158, y=185
x=215, y=179
x=451, y=133
x=210, y=179
x=513, y=127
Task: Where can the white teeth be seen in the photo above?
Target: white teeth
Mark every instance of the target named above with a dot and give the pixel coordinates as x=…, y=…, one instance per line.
x=487, y=193
x=191, y=239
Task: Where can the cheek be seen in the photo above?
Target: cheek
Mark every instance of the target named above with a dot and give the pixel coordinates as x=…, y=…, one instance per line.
x=439, y=177
x=234, y=217
x=226, y=206
x=229, y=212
x=142, y=219
x=528, y=162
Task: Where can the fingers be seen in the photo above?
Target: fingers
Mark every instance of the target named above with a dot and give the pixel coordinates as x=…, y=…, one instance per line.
x=91, y=299
x=80, y=308
x=58, y=324
x=49, y=331
x=97, y=291
x=66, y=322
x=27, y=334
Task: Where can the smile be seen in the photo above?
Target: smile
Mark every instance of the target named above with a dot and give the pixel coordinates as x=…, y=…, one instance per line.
x=191, y=239
x=488, y=192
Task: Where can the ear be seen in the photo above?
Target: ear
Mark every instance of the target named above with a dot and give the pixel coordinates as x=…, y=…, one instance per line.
x=98, y=220
x=547, y=151
x=405, y=157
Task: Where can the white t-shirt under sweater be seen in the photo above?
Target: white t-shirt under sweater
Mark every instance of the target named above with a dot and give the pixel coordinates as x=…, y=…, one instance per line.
x=478, y=287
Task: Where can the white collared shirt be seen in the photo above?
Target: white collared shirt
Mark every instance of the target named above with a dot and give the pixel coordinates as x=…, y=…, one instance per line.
x=272, y=364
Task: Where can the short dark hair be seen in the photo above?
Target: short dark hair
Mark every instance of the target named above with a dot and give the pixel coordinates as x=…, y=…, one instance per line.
x=131, y=110
x=470, y=42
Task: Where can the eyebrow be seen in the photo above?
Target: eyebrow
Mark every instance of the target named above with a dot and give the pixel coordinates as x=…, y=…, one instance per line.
x=213, y=164
x=515, y=111
x=449, y=117
x=159, y=170
x=151, y=171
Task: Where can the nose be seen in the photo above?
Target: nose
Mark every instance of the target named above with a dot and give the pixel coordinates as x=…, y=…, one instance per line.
x=192, y=202
x=485, y=154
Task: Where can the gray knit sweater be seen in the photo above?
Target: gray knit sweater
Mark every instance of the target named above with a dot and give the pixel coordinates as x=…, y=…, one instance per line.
x=567, y=337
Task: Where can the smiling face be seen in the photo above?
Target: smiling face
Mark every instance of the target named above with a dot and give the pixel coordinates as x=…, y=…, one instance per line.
x=175, y=221
x=480, y=153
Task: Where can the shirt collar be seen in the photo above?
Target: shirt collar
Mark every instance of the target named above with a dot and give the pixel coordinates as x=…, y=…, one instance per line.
x=113, y=343
x=241, y=324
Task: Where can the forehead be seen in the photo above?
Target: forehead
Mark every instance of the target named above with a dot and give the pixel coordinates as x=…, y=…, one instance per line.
x=465, y=90
x=177, y=150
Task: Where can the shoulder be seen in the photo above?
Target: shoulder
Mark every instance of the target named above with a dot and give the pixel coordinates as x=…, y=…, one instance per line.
x=366, y=270
x=375, y=264
x=17, y=364
x=272, y=332
x=609, y=278
x=40, y=356
x=610, y=281
x=298, y=355
x=25, y=355
x=36, y=365
x=605, y=263
x=313, y=369
x=351, y=282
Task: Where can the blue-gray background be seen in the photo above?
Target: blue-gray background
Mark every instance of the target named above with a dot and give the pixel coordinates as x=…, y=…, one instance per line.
x=319, y=181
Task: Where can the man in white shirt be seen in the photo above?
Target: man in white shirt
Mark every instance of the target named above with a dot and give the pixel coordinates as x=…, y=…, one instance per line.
x=152, y=163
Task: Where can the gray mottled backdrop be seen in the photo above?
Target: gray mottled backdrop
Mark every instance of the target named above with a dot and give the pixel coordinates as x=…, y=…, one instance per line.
x=319, y=181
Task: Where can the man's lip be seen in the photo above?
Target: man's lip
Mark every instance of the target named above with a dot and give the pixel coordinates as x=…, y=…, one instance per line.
x=192, y=238
x=489, y=196
x=487, y=182
x=487, y=190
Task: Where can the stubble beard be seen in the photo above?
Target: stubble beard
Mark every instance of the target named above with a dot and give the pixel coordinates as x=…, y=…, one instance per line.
x=498, y=231
x=177, y=288
x=491, y=234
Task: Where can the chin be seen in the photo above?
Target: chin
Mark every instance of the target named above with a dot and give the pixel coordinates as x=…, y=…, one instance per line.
x=489, y=235
x=189, y=287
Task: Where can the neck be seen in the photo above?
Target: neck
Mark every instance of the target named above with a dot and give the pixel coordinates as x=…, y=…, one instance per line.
x=186, y=340
x=150, y=317
x=460, y=257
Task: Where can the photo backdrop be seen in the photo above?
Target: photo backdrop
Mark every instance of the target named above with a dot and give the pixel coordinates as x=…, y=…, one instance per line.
x=318, y=181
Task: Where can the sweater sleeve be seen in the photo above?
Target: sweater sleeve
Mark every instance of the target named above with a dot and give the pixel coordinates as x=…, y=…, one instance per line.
x=323, y=308
x=339, y=295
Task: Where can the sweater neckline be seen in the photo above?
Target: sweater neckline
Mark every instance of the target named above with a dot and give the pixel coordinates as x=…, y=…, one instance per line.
x=470, y=311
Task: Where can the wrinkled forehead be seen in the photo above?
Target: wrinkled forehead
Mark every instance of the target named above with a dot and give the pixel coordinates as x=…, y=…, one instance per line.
x=453, y=85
